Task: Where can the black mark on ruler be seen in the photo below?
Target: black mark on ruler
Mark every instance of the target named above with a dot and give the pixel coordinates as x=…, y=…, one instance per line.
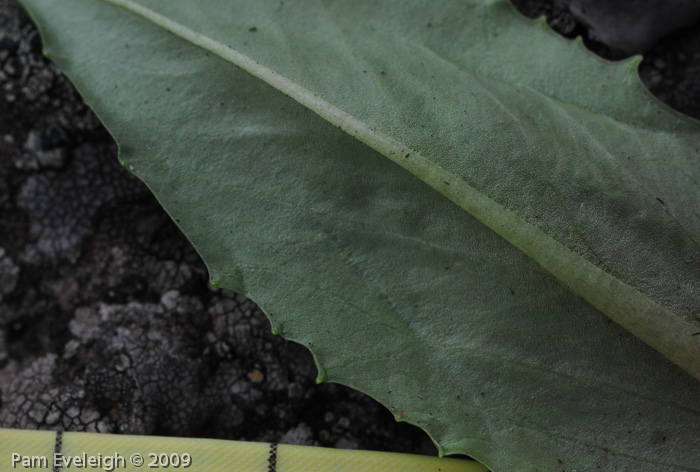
x=57, y=449
x=273, y=458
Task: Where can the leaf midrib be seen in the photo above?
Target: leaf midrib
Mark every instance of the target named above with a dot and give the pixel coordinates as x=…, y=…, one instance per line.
x=556, y=102
x=653, y=323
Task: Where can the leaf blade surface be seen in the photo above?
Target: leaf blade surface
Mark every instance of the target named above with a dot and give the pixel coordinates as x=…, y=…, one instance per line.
x=385, y=212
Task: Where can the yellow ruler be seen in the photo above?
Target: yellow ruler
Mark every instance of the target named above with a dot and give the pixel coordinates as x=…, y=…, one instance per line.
x=63, y=451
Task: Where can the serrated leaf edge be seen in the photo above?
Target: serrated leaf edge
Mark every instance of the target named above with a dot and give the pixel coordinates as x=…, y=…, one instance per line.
x=653, y=323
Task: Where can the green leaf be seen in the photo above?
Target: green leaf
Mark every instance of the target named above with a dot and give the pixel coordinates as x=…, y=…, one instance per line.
x=264, y=129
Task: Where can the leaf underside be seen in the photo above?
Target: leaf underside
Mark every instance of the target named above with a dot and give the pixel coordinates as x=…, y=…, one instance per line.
x=397, y=291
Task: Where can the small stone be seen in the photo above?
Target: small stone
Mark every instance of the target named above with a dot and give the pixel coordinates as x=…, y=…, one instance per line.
x=300, y=435
x=14, y=68
x=294, y=390
x=123, y=363
x=345, y=443
x=256, y=376
x=170, y=299
x=9, y=273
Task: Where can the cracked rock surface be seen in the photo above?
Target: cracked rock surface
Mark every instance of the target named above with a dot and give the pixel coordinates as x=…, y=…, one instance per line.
x=107, y=322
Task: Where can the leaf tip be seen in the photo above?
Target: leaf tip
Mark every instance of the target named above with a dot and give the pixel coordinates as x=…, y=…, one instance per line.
x=321, y=377
x=441, y=450
x=276, y=328
x=127, y=166
x=635, y=61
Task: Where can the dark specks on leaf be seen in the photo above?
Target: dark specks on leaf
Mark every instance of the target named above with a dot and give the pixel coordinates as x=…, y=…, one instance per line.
x=696, y=334
x=660, y=201
x=429, y=25
x=167, y=89
x=658, y=437
x=446, y=182
x=382, y=72
x=407, y=155
x=512, y=292
x=253, y=29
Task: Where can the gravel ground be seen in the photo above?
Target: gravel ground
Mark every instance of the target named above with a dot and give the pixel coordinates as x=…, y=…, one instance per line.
x=107, y=322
